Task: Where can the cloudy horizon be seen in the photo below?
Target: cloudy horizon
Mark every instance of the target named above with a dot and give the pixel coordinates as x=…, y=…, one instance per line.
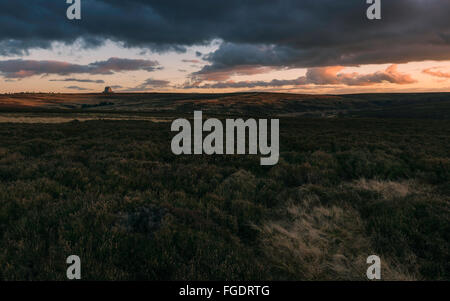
x=307, y=46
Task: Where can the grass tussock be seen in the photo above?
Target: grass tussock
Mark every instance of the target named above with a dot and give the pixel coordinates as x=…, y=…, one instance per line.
x=388, y=189
x=315, y=242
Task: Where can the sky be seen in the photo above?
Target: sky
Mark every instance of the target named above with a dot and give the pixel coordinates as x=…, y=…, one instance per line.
x=295, y=46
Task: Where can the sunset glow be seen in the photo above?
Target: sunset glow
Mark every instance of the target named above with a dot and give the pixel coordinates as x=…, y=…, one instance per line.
x=291, y=57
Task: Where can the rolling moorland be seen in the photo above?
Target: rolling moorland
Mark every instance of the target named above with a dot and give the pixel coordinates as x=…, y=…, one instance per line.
x=93, y=175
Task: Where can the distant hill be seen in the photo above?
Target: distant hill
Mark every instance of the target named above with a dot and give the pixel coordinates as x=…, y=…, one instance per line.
x=401, y=105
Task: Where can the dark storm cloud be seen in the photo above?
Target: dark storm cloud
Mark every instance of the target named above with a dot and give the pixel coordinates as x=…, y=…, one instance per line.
x=26, y=68
x=284, y=33
x=155, y=83
x=76, y=88
x=115, y=64
x=231, y=59
x=98, y=81
x=149, y=84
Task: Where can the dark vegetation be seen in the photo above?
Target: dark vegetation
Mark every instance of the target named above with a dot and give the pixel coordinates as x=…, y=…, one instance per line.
x=113, y=193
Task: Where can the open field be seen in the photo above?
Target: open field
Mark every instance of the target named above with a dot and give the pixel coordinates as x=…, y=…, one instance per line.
x=358, y=175
x=419, y=105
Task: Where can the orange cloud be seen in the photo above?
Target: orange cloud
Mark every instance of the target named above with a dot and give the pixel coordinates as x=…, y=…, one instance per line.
x=320, y=76
x=332, y=76
x=434, y=72
x=390, y=75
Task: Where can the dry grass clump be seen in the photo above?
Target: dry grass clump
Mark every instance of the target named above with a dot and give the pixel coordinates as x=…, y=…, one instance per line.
x=388, y=189
x=321, y=243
